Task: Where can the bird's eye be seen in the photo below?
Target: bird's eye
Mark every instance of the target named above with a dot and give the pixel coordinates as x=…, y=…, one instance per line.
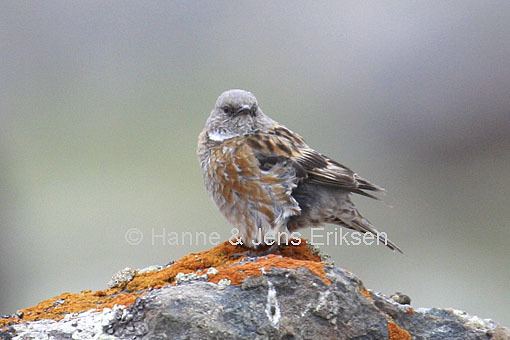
x=227, y=109
x=254, y=109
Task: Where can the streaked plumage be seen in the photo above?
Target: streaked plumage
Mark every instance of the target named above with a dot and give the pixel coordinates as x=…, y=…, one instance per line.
x=264, y=176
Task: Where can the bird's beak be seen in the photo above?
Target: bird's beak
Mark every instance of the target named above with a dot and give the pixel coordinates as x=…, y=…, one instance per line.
x=245, y=109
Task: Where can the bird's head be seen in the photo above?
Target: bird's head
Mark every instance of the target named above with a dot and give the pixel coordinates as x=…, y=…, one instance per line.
x=235, y=113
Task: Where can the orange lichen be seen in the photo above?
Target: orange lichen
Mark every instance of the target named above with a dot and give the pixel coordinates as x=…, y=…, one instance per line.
x=395, y=332
x=410, y=311
x=237, y=273
x=56, y=307
x=230, y=268
x=7, y=321
x=366, y=293
x=221, y=257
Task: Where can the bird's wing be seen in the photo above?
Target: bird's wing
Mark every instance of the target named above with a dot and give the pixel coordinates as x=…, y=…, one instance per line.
x=317, y=168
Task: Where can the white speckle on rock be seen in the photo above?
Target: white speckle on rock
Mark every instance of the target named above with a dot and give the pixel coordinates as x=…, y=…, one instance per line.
x=322, y=300
x=306, y=309
x=212, y=271
x=224, y=283
x=183, y=278
x=472, y=320
x=121, y=277
x=272, y=307
x=150, y=269
x=79, y=326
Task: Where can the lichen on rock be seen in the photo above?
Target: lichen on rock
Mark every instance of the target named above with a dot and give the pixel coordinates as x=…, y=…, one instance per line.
x=212, y=294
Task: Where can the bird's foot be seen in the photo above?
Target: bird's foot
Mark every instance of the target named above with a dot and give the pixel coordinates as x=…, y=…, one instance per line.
x=257, y=252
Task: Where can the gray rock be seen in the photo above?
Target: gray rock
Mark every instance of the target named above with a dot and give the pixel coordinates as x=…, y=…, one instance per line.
x=122, y=277
x=281, y=304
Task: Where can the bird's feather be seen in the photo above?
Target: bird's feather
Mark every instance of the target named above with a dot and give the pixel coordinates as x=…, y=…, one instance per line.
x=256, y=190
x=320, y=169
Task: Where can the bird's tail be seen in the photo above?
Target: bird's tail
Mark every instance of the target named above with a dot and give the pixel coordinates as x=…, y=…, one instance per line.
x=359, y=223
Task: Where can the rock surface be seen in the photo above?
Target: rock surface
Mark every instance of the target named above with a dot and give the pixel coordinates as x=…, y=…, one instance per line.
x=280, y=302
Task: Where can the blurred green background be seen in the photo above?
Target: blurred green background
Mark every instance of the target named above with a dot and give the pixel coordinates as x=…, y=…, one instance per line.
x=101, y=104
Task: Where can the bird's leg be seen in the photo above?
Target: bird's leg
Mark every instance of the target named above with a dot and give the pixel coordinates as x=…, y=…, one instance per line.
x=257, y=253
x=275, y=247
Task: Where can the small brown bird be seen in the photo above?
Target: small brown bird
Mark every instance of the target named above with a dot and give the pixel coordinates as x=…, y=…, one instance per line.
x=264, y=178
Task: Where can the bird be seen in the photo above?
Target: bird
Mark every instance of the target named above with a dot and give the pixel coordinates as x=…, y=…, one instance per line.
x=265, y=179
